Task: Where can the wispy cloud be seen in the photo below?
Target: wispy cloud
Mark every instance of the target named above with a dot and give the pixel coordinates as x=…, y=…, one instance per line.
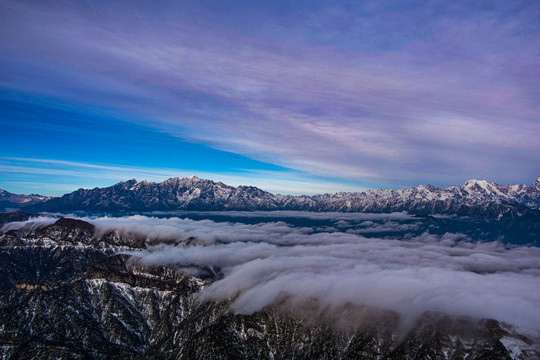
x=441, y=94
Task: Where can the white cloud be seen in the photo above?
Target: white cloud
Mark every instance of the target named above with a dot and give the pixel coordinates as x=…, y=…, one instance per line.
x=409, y=274
x=447, y=273
x=29, y=225
x=334, y=216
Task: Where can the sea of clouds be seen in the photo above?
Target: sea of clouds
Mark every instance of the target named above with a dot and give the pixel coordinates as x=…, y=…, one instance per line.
x=408, y=274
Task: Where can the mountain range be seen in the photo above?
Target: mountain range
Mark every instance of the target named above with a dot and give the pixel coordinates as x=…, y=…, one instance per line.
x=70, y=291
x=476, y=198
x=14, y=201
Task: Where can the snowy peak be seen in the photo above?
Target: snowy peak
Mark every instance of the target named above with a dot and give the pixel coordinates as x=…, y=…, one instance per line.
x=474, y=198
x=536, y=185
x=482, y=188
x=177, y=193
x=474, y=184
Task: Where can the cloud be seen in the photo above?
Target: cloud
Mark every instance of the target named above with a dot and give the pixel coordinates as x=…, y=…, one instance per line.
x=408, y=274
x=32, y=224
x=386, y=226
x=404, y=104
x=333, y=216
x=447, y=273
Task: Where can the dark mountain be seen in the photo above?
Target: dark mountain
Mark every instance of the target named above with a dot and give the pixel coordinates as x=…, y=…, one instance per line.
x=12, y=216
x=16, y=201
x=475, y=198
x=68, y=293
x=176, y=193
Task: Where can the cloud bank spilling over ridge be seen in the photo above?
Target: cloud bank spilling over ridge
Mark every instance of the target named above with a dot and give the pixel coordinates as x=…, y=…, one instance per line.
x=449, y=273
x=30, y=225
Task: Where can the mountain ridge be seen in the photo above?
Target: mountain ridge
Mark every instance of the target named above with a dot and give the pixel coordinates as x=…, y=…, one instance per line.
x=10, y=200
x=476, y=198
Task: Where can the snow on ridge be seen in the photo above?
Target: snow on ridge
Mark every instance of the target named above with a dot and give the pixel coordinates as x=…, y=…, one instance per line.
x=200, y=194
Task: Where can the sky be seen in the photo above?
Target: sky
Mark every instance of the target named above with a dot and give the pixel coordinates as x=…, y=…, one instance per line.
x=295, y=97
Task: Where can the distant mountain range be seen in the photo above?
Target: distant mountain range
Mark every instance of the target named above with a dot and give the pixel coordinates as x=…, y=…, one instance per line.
x=476, y=198
x=14, y=201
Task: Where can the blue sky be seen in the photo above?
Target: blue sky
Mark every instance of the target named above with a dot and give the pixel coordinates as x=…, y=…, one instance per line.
x=293, y=97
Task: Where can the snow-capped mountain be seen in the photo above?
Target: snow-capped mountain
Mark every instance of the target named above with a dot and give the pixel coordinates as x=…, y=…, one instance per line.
x=10, y=201
x=189, y=193
x=474, y=198
x=473, y=191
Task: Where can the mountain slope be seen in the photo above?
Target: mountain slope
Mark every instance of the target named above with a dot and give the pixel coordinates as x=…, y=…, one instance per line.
x=109, y=305
x=15, y=201
x=475, y=198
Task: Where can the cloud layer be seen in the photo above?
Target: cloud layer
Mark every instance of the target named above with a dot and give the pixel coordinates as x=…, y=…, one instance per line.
x=409, y=274
x=449, y=273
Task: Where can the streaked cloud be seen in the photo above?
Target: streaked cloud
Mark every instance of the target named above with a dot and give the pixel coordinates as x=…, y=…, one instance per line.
x=376, y=92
